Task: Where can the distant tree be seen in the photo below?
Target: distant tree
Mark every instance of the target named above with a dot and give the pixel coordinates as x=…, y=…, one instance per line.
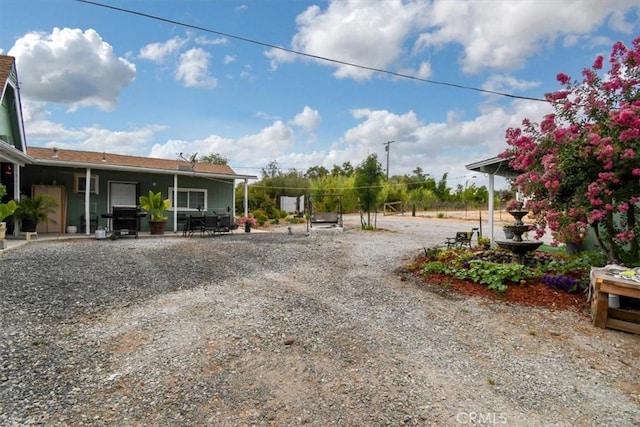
x=271, y=170
x=316, y=172
x=442, y=192
x=346, y=170
x=368, y=180
x=214, y=159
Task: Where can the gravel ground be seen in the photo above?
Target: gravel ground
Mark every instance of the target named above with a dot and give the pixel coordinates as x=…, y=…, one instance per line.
x=323, y=328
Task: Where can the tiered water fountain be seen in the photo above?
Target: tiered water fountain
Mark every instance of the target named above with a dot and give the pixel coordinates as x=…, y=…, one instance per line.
x=518, y=247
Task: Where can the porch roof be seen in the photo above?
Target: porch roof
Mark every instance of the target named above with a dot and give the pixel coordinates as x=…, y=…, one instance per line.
x=108, y=161
x=494, y=166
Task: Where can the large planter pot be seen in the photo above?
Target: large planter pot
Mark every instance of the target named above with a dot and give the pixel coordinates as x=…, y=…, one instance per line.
x=3, y=230
x=28, y=225
x=157, y=227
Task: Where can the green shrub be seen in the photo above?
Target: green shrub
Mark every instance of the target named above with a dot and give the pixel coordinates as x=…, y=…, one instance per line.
x=260, y=216
x=493, y=275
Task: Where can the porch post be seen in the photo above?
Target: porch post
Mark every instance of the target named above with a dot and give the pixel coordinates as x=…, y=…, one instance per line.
x=491, y=207
x=246, y=197
x=87, y=200
x=233, y=200
x=16, y=193
x=175, y=201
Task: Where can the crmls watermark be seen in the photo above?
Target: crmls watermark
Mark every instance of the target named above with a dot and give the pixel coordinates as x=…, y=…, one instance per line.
x=481, y=418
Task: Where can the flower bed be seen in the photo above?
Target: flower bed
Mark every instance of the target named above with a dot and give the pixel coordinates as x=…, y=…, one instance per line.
x=556, y=281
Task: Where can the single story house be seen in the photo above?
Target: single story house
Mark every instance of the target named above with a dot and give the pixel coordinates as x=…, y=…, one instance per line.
x=111, y=179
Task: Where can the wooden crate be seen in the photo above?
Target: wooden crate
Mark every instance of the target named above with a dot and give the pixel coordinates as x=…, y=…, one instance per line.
x=604, y=283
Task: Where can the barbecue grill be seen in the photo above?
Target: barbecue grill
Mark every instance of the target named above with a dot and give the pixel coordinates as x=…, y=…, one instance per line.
x=125, y=220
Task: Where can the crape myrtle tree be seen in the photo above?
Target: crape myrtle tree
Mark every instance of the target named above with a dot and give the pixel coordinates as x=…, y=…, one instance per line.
x=368, y=186
x=581, y=165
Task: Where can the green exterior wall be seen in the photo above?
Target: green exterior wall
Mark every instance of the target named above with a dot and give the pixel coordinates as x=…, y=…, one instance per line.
x=220, y=191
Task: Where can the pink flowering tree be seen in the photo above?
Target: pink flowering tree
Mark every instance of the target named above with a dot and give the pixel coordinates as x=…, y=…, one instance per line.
x=581, y=165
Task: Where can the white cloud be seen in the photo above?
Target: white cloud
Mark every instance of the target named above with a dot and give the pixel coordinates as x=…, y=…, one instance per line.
x=210, y=145
x=380, y=126
x=218, y=41
x=228, y=59
x=492, y=34
x=71, y=67
x=503, y=35
x=355, y=32
x=193, y=69
x=158, y=52
x=508, y=84
x=309, y=119
x=259, y=148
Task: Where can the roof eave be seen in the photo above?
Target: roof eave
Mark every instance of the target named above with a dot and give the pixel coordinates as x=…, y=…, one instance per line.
x=121, y=168
x=14, y=155
x=494, y=166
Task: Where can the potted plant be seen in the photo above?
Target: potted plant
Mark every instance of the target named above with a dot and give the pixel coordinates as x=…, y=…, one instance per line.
x=156, y=206
x=247, y=222
x=485, y=242
x=32, y=211
x=6, y=210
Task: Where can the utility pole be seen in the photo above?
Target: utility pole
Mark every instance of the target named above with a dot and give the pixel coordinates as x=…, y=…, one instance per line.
x=386, y=148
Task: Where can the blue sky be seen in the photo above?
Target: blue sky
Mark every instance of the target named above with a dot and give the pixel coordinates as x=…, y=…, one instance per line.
x=97, y=79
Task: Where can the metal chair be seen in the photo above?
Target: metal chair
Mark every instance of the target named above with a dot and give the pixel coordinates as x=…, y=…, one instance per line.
x=93, y=222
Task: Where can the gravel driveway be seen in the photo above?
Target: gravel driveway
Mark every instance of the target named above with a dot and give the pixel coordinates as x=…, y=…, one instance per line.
x=322, y=328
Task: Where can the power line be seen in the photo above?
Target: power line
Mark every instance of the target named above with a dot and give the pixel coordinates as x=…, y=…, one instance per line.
x=308, y=55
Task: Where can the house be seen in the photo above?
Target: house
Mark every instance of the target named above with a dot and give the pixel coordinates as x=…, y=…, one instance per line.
x=111, y=179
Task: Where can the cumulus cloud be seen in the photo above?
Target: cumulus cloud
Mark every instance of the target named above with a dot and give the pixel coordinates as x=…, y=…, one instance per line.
x=218, y=41
x=496, y=35
x=209, y=145
x=193, y=70
x=508, y=84
x=309, y=119
x=71, y=67
x=159, y=51
x=353, y=31
x=502, y=35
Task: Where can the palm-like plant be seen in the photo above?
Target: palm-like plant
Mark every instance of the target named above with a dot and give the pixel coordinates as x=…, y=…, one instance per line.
x=155, y=205
x=36, y=209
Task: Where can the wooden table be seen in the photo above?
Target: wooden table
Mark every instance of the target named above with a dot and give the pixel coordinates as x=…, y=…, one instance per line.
x=605, y=283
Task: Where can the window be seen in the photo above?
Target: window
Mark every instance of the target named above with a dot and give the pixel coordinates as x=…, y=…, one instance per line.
x=80, y=181
x=189, y=199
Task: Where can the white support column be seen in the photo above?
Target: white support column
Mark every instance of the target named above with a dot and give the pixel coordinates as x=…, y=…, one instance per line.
x=491, y=207
x=233, y=201
x=16, y=193
x=87, y=201
x=175, y=201
x=246, y=197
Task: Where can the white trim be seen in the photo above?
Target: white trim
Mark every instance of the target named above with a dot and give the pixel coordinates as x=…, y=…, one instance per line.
x=171, y=193
x=79, y=177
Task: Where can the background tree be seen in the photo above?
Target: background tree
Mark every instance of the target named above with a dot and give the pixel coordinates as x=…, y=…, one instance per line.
x=368, y=186
x=316, y=172
x=214, y=159
x=580, y=165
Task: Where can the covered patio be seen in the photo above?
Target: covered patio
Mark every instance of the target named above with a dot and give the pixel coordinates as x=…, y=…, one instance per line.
x=492, y=167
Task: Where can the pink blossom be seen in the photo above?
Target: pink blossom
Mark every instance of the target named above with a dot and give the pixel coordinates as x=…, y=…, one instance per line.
x=598, y=63
x=563, y=78
x=628, y=154
x=635, y=172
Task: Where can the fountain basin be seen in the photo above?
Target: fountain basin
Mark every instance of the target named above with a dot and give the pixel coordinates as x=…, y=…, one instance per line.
x=519, y=248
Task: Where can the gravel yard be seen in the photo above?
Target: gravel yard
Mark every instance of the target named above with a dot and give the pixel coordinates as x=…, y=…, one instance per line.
x=322, y=329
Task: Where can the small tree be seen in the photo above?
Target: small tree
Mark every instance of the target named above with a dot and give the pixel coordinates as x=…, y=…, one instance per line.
x=368, y=185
